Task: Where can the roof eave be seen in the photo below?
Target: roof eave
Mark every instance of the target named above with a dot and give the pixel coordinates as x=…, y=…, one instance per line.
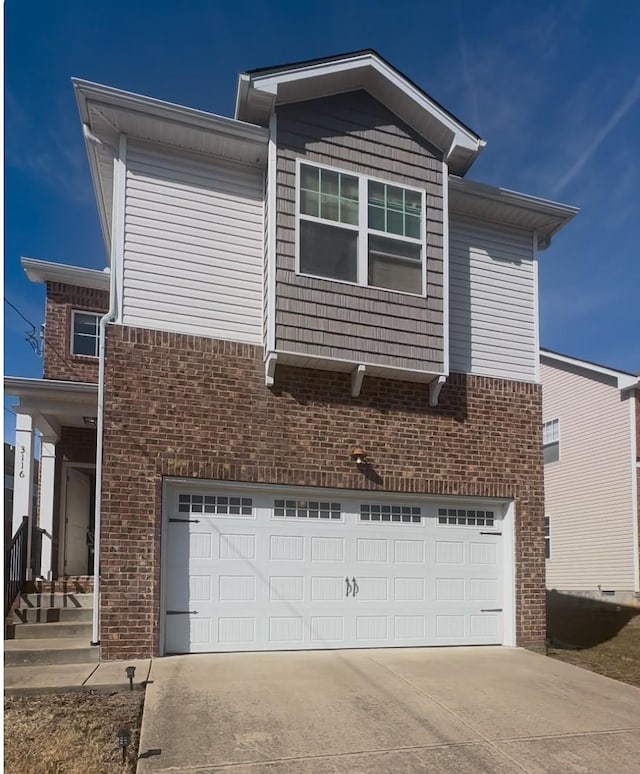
x=461, y=149
x=625, y=379
x=548, y=217
x=23, y=386
x=45, y=271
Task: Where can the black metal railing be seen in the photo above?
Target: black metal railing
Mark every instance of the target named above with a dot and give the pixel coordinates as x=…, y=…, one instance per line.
x=15, y=565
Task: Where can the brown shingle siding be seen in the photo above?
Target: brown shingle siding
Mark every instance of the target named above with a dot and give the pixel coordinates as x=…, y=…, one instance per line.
x=198, y=408
x=62, y=299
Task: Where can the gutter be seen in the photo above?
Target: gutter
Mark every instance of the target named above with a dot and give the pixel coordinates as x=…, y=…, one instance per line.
x=116, y=240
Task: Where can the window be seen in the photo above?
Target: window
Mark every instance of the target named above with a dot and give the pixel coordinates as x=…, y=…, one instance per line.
x=306, y=509
x=465, y=518
x=85, y=333
x=379, y=244
x=403, y=514
x=547, y=538
x=551, y=440
x=220, y=505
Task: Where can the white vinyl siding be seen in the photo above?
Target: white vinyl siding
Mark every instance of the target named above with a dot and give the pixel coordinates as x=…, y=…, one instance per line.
x=193, y=245
x=588, y=492
x=492, y=286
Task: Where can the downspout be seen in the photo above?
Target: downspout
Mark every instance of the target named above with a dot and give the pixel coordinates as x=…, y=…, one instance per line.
x=117, y=227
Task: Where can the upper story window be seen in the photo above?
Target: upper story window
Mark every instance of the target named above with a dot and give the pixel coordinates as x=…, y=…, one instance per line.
x=551, y=440
x=355, y=229
x=85, y=333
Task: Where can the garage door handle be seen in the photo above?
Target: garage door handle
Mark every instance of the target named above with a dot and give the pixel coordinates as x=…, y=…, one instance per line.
x=491, y=610
x=356, y=588
x=182, y=612
x=348, y=582
x=491, y=533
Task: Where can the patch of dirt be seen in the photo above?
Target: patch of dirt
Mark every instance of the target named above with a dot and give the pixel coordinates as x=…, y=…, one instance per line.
x=617, y=657
x=71, y=733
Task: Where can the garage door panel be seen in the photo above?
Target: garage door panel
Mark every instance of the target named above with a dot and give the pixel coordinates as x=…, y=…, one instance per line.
x=261, y=581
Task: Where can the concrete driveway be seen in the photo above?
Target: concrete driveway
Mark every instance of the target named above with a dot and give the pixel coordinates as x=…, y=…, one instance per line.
x=447, y=710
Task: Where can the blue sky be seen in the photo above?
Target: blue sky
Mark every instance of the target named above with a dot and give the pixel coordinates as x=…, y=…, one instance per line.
x=553, y=86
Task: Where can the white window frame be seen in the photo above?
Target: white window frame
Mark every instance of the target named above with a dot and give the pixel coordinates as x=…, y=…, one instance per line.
x=362, y=229
x=97, y=315
x=547, y=537
x=556, y=440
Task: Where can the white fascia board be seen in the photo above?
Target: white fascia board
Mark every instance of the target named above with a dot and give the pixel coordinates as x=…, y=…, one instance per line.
x=23, y=387
x=44, y=271
x=625, y=381
x=463, y=137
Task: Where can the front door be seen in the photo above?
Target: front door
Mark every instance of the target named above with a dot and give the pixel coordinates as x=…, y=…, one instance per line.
x=77, y=519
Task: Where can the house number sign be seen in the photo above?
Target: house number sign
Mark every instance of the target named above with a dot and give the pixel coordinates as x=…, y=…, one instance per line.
x=22, y=453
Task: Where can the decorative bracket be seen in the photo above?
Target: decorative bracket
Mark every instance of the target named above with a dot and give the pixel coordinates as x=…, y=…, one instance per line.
x=270, y=369
x=357, y=375
x=434, y=390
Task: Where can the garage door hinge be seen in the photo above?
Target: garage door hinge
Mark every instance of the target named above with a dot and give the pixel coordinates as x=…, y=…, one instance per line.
x=182, y=612
x=491, y=610
x=186, y=521
x=482, y=533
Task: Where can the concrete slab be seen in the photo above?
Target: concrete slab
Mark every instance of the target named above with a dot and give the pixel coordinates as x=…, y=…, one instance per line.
x=112, y=674
x=507, y=692
x=241, y=708
x=613, y=751
x=411, y=710
x=30, y=678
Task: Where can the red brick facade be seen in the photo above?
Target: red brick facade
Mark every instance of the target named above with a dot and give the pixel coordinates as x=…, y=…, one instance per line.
x=187, y=406
x=62, y=299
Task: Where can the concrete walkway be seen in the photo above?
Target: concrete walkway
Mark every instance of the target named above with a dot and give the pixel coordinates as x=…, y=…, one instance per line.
x=416, y=711
x=60, y=678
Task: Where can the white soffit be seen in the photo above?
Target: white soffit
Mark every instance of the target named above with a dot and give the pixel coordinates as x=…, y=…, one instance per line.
x=624, y=379
x=260, y=90
x=499, y=205
x=45, y=271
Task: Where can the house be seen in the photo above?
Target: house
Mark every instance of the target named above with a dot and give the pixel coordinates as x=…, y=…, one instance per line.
x=591, y=436
x=317, y=409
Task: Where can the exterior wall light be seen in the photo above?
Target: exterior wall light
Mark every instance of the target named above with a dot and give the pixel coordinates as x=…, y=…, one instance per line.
x=358, y=455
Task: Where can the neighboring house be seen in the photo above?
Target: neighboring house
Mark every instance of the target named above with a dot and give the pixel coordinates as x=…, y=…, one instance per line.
x=319, y=424
x=591, y=436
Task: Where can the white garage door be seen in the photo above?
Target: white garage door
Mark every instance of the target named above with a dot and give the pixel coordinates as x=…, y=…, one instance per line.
x=256, y=571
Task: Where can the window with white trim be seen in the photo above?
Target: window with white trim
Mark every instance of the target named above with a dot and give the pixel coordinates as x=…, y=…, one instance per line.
x=85, y=333
x=306, y=509
x=551, y=440
x=462, y=517
x=356, y=229
x=402, y=514
x=219, y=505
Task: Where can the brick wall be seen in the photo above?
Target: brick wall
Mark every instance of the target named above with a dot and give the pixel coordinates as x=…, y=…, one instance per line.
x=187, y=406
x=62, y=299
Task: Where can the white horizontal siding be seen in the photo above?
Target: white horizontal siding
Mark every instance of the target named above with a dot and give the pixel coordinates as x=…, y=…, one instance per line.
x=193, y=245
x=492, y=297
x=588, y=491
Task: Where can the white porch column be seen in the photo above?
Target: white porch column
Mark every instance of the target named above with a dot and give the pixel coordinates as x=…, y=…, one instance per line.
x=23, y=471
x=45, y=503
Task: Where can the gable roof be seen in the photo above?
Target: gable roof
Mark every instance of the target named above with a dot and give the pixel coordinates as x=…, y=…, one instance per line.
x=625, y=379
x=262, y=89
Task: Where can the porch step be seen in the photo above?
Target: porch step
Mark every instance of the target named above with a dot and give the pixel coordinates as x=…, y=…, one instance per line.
x=46, y=615
x=63, y=650
x=66, y=629
x=74, y=584
x=55, y=599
